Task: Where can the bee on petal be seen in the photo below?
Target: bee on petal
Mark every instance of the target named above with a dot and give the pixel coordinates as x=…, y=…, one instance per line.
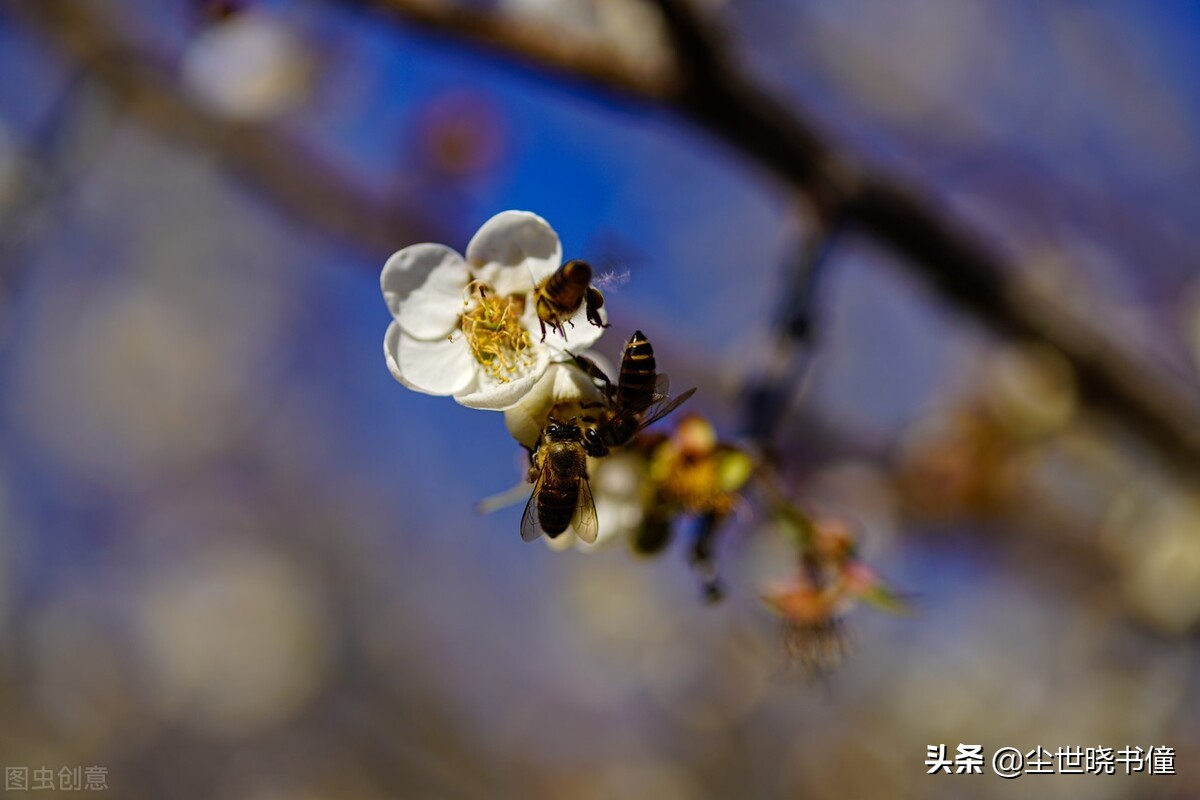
x=560, y=295
x=561, y=496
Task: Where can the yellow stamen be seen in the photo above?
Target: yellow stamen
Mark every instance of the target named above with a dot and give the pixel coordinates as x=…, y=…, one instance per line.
x=694, y=484
x=492, y=325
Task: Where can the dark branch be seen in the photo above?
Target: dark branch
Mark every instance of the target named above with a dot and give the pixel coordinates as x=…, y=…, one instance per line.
x=712, y=91
x=592, y=65
x=269, y=159
x=768, y=396
x=706, y=87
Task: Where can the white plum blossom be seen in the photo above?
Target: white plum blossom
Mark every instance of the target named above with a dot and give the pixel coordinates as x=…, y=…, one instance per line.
x=468, y=327
x=251, y=67
x=563, y=392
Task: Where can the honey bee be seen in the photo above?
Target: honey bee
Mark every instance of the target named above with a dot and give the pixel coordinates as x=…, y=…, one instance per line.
x=639, y=398
x=561, y=496
x=559, y=297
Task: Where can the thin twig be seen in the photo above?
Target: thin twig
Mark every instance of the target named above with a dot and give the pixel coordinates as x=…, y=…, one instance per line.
x=767, y=397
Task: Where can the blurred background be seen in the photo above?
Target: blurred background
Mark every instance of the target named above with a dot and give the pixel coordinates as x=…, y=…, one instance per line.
x=238, y=560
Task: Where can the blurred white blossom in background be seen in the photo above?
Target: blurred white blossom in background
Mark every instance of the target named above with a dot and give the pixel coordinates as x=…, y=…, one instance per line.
x=252, y=67
x=233, y=636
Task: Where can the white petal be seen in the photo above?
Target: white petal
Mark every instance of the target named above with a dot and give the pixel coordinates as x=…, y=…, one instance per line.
x=619, y=477
x=575, y=338
x=488, y=393
x=508, y=281
x=516, y=239
x=561, y=383
x=522, y=425
x=423, y=288
x=563, y=541
x=391, y=347
x=251, y=67
x=437, y=366
x=618, y=520
x=540, y=269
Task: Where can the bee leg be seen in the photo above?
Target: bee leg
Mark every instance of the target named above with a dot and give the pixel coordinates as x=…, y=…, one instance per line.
x=543, y=324
x=593, y=316
x=595, y=301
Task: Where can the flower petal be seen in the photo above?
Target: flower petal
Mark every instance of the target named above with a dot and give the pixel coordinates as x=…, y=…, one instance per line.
x=561, y=383
x=578, y=334
x=423, y=288
x=506, y=281
x=437, y=366
x=618, y=521
x=391, y=348
x=516, y=239
x=488, y=393
x=563, y=541
x=540, y=269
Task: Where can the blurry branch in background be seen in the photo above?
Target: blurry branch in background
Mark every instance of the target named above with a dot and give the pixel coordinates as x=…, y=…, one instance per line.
x=766, y=400
x=64, y=146
x=290, y=174
x=590, y=64
x=706, y=87
x=710, y=89
x=767, y=397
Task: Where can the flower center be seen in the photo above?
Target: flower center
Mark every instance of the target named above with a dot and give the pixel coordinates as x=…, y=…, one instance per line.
x=492, y=325
x=695, y=485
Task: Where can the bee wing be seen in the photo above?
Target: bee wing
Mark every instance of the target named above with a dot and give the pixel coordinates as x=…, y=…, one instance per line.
x=662, y=385
x=584, y=521
x=658, y=412
x=530, y=529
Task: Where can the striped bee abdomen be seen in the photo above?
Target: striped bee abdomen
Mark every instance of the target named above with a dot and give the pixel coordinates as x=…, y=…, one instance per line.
x=635, y=386
x=568, y=283
x=566, y=467
x=555, y=507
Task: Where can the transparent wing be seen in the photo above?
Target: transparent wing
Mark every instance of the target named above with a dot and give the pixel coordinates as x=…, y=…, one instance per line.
x=584, y=521
x=633, y=411
x=530, y=529
x=657, y=412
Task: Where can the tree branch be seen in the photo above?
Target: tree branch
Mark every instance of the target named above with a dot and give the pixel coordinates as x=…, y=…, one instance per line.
x=767, y=396
x=710, y=90
x=588, y=64
x=291, y=174
x=706, y=87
